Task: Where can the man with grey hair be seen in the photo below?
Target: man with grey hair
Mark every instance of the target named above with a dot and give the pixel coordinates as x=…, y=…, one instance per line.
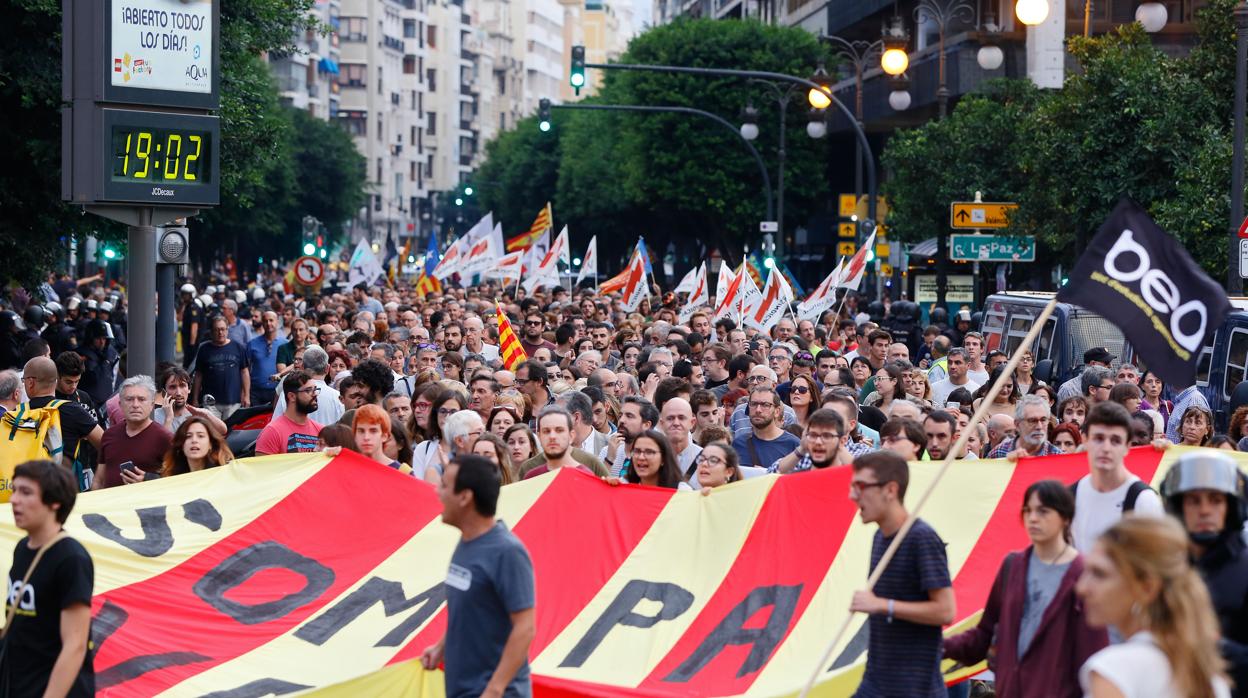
x=1096, y=382
x=135, y=447
x=626, y=385
x=1031, y=418
x=474, y=339
x=10, y=383
x=605, y=380
x=956, y=365
x=239, y=332
x=663, y=360
x=462, y=431
x=588, y=362
x=329, y=407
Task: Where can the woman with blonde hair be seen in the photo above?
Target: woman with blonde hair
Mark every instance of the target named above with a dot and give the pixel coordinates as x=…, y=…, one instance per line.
x=1137, y=578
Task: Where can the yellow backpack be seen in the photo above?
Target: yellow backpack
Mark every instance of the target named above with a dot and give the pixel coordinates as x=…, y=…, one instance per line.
x=28, y=433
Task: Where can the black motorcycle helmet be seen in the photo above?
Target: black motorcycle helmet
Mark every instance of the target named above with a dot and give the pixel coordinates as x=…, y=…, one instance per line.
x=96, y=329
x=876, y=310
x=34, y=316
x=939, y=316
x=10, y=323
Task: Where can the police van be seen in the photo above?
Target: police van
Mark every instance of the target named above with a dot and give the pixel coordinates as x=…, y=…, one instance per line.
x=1058, y=351
x=1071, y=330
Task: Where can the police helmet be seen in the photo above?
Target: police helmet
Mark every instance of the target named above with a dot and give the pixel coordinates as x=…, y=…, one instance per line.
x=188, y=288
x=96, y=329
x=34, y=316
x=1207, y=470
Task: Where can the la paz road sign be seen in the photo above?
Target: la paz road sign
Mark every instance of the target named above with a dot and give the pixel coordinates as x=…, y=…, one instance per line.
x=975, y=214
x=992, y=248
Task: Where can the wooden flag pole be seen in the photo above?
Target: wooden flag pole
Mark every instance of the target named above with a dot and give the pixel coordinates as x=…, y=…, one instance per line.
x=1005, y=375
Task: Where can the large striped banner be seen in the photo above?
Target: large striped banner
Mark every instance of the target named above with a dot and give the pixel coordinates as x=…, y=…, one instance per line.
x=302, y=573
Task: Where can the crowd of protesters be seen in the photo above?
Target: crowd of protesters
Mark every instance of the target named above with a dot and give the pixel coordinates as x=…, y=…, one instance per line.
x=1112, y=578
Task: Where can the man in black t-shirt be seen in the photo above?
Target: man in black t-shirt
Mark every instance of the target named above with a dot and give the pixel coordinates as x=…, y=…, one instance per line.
x=40, y=379
x=913, y=597
x=47, y=643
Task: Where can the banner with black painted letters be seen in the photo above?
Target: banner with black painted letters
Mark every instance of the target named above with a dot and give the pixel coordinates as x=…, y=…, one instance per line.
x=1140, y=278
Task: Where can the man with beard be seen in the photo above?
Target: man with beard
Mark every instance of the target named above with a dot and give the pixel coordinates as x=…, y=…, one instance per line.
x=531, y=339
x=821, y=445
x=637, y=414
x=1206, y=492
x=453, y=336
x=764, y=442
x=1033, y=431
x=175, y=385
x=293, y=431
x=554, y=431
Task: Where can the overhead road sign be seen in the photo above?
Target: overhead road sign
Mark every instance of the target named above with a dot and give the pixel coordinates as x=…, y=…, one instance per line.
x=992, y=248
x=969, y=215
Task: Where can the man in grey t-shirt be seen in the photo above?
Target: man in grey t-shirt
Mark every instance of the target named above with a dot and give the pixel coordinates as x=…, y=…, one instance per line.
x=489, y=590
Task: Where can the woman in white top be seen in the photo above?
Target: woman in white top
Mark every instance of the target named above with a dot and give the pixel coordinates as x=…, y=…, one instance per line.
x=1137, y=579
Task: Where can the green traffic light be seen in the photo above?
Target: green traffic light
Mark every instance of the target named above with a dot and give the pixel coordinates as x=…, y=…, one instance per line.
x=459, y=201
x=309, y=248
x=468, y=191
x=543, y=126
x=770, y=263
x=110, y=253
x=323, y=253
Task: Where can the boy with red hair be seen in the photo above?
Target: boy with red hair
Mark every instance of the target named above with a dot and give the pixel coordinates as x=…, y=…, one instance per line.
x=372, y=432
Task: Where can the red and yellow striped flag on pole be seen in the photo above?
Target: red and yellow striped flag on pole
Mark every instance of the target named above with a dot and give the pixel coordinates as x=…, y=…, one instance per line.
x=508, y=344
x=543, y=222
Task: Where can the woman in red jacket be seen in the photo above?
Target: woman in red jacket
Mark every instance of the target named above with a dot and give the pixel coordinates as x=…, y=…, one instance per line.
x=1033, y=631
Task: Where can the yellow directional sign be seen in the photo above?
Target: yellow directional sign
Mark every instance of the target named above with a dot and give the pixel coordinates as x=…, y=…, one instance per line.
x=881, y=250
x=846, y=249
x=846, y=230
x=886, y=269
x=846, y=203
x=974, y=214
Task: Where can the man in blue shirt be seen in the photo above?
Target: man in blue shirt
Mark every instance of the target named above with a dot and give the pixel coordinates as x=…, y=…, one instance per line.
x=262, y=360
x=913, y=597
x=764, y=442
x=221, y=371
x=490, y=593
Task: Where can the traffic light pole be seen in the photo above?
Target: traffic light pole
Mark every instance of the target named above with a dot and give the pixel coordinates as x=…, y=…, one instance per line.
x=780, y=77
x=762, y=167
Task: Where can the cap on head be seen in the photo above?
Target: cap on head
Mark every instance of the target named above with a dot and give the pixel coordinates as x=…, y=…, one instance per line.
x=1099, y=354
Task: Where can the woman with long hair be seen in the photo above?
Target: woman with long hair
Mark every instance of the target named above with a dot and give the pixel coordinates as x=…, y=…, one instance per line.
x=1004, y=401
x=495, y=450
x=1033, y=625
x=718, y=465
x=1195, y=426
x=422, y=406
x=804, y=397
x=195, y=446
x=890, y=384
x=1153, y=387
x=521, y=444
x=653, y=463
x=1137, y=578
x=502, y=418
x=435, y=451
x=1238, y=428
x=918, y=388
x=399, y=446
x=1047, y=392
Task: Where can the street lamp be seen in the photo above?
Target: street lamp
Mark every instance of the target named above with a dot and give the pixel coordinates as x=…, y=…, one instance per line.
x=942, y=13
x=990, y=56
x=749, y=122
x=1152, y=15
x=899, y=94
x=816, y=127
x=820, y=99
x=894, y=60
x=1032, y=12
x=1234, y=283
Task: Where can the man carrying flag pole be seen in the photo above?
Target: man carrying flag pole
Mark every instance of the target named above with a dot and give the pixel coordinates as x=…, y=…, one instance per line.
x=509, y=348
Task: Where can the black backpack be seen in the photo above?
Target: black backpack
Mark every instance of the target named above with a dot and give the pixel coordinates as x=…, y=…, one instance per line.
x=1134, y=491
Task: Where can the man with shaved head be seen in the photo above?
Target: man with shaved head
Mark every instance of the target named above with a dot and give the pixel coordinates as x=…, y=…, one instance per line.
x=676, y=420
x=39, y=377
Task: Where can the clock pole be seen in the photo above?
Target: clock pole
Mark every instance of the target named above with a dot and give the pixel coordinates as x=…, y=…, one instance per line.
x=141, y=292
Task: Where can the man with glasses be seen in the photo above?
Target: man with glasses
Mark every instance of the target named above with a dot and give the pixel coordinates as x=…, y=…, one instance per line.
x=913, y=597
x=531, y=338
x=427, y=356
x=759, y=378
x=531, y=377
x=1096, y=356
x=474, y=339
x=1032, y=422
x=820, y=447
x=780, y=358
x=1096, y=381
x=294, y=430
x=764, y=442
x=715, y=360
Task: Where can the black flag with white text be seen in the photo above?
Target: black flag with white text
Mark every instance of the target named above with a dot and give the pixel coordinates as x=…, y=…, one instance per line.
x=1138, y=277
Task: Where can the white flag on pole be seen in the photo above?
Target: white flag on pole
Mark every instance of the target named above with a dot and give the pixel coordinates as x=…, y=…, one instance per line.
x=508, y=266
x=547, y=271
x=452, y=260
x=851, y=276
x=589, y=265
x=364, y=266
x=771, y=304
x=687, y=283
x=726, y=290
x=698, y=297
x=822, y=297
x=635, y=286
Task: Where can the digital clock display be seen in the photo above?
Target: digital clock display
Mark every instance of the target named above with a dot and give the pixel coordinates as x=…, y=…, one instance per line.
x=161, y=155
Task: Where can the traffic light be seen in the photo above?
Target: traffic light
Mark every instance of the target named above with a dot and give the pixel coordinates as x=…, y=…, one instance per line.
x=577, y=77
x=110, y=253
x=310, y=228
x=543, y=115
x=769, y=251
x=468, y=190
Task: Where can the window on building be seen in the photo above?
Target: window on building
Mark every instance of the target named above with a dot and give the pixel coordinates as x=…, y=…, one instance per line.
x=409, y=64
x=378, y=177
x=431, y=123
x=431, y=79
x=353, y=29
x=352, y=75
x=431, y=34
x=381, y=129
x=409, y=29
x=379, y=73
x=355, y=123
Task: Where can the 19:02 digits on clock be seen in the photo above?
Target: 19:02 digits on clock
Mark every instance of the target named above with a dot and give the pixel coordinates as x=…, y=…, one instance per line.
x=160, y=155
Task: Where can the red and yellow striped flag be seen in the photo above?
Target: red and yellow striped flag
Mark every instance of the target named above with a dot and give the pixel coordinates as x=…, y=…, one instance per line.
x=545, y=219
x=508, y=344
x=426, y=284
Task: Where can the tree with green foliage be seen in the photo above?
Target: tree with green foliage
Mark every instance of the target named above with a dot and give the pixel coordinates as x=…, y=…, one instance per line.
x=668, y=177
x=1120, y=126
